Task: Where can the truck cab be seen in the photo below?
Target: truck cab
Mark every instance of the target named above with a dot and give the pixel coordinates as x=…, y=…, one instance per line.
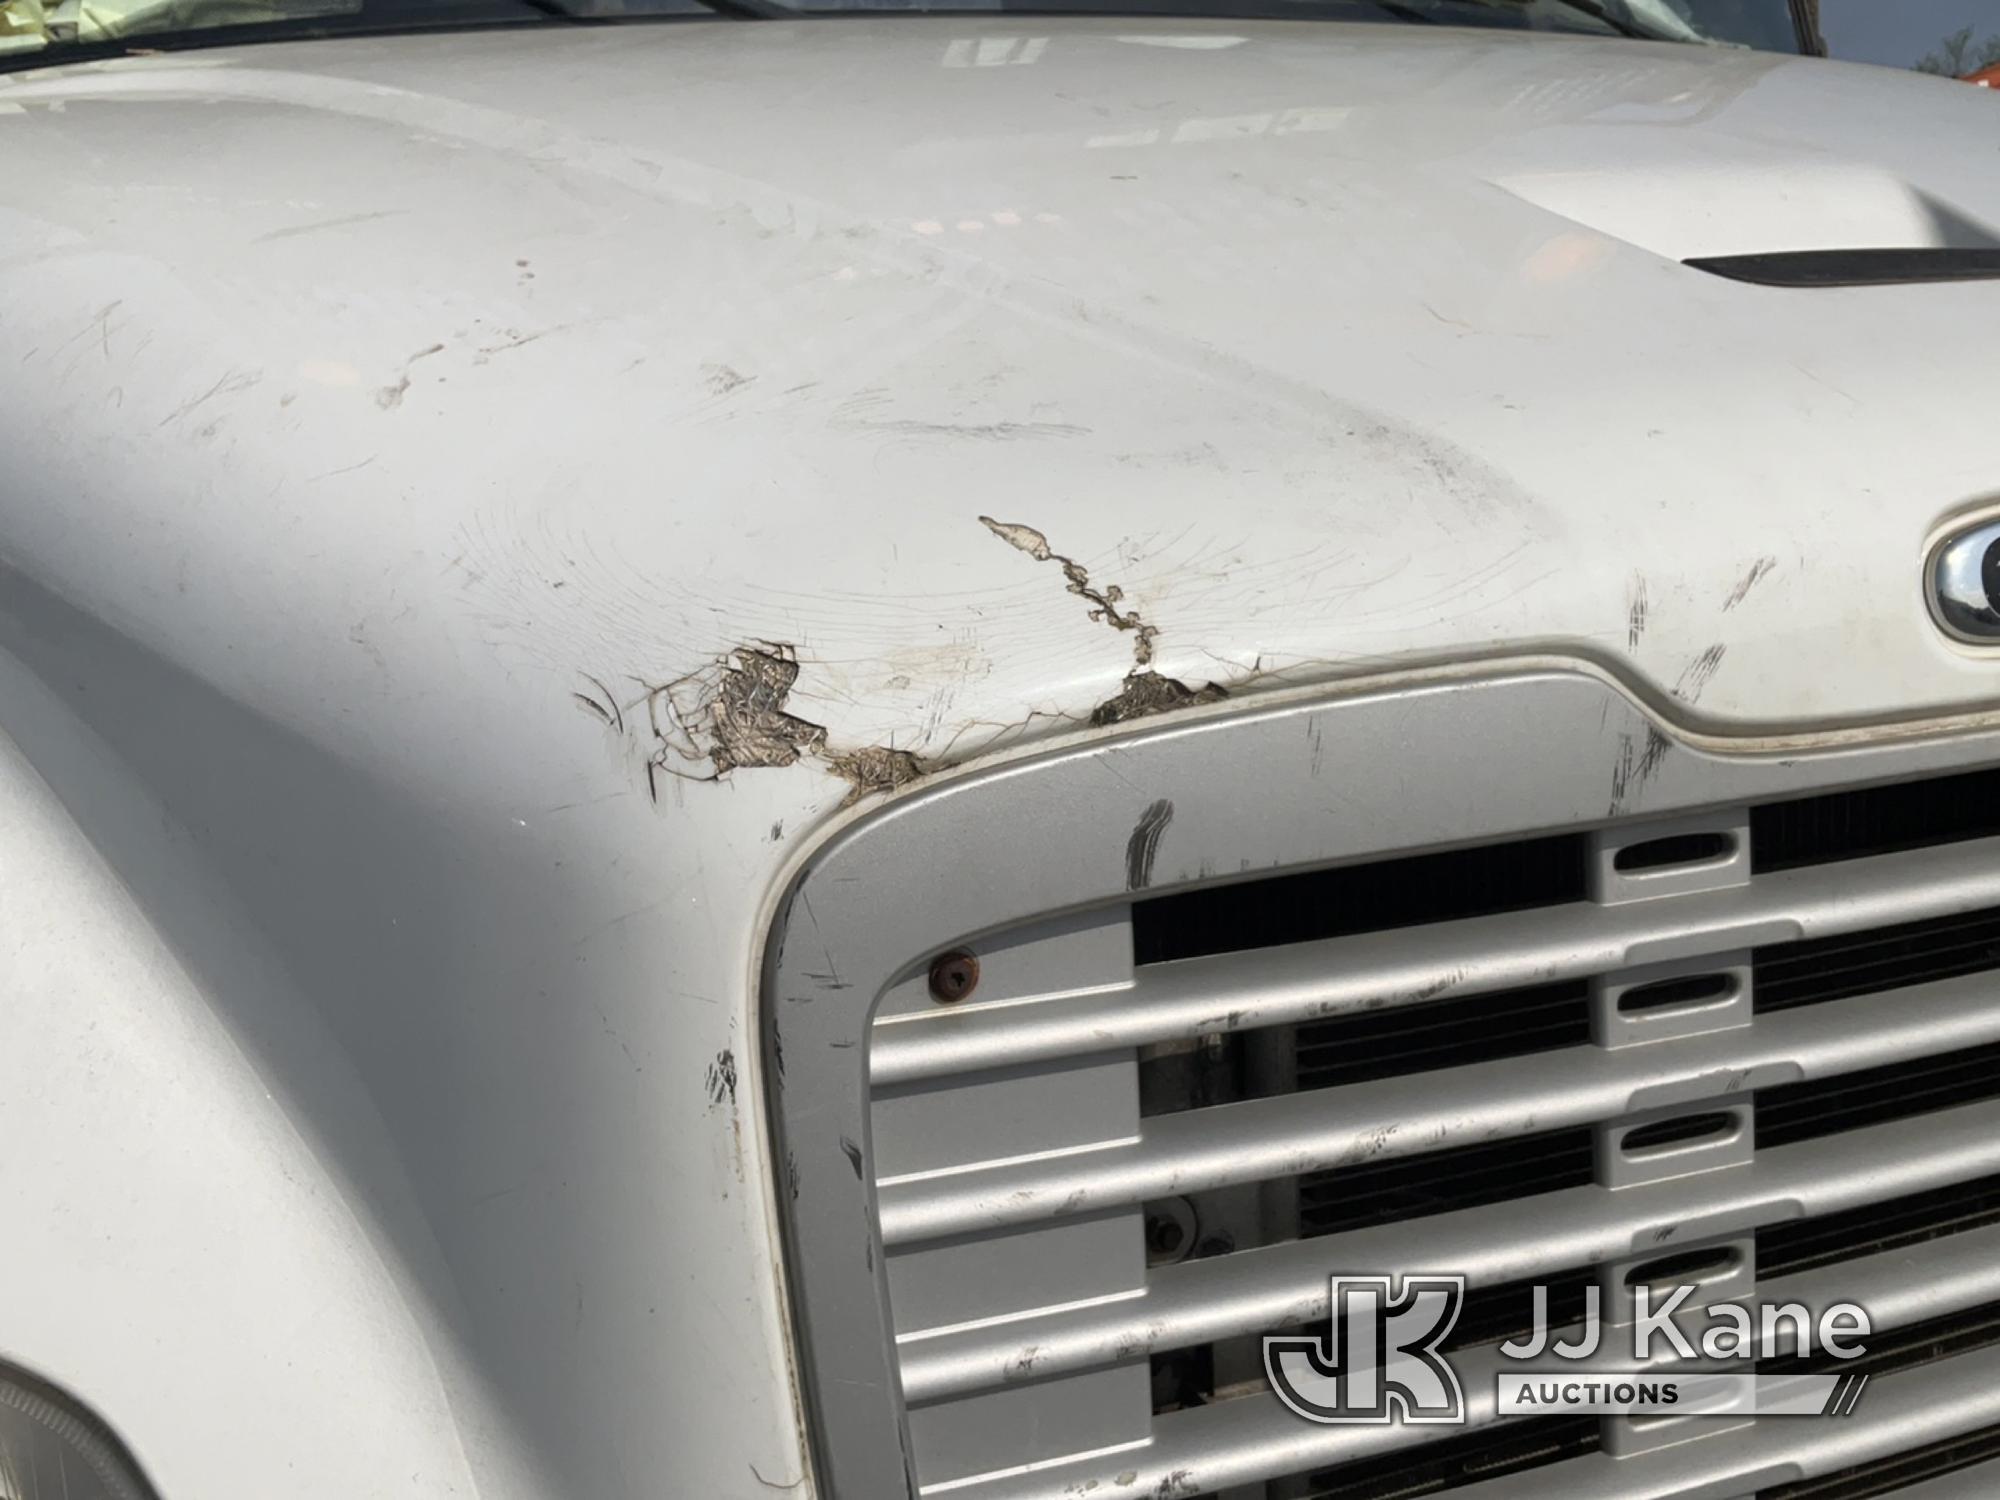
x=756, y=752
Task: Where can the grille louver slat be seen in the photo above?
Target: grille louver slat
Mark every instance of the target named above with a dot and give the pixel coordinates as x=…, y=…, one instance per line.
x=1306, y=981
x=1937, y=1404
x=1970, y=1462
x=1507, y=1241
x=1244, y=1440
x=1290, y=1134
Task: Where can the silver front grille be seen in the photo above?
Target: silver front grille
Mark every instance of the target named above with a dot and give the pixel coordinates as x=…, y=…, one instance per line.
x=1736, y=1017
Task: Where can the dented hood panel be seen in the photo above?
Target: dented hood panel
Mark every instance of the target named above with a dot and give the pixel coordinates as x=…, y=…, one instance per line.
x=472, y=507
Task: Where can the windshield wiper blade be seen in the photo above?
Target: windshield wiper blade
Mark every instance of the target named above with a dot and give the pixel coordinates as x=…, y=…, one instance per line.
x=1623, y=25
x=1597, y=11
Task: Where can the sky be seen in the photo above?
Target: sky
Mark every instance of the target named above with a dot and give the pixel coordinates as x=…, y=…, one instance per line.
x=1898, y=32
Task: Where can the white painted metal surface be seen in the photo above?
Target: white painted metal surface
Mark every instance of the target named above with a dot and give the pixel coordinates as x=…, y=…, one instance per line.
x=382, y=419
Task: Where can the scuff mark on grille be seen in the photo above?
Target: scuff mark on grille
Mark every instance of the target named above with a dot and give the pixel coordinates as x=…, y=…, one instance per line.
x=1636, y=765
x=1622, y=770
x=1695, y=676
x=1144, y=845
x=1635, y=614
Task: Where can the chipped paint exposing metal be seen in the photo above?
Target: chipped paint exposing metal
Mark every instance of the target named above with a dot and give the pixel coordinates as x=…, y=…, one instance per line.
x=1106, y=598
x=734, y=718
x=732, y=715
x=1147, y=692
x=876, y=768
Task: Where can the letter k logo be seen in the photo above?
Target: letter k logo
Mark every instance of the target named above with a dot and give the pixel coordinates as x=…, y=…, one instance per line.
x=1380, y=1356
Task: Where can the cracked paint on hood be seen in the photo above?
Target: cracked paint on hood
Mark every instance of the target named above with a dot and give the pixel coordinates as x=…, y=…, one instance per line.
x=1267, y=333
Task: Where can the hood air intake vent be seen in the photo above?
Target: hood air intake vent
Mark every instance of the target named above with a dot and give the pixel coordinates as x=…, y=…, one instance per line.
x=1826, y=268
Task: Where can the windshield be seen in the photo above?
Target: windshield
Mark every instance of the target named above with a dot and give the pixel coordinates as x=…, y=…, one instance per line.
x=46, y=30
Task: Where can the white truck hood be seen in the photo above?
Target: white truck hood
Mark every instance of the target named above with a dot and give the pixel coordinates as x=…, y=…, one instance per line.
x=413, y=451
x=1328, y=345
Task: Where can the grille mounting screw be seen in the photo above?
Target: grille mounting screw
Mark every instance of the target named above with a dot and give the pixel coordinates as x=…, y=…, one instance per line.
x=1170, y=1227
x=953, y=977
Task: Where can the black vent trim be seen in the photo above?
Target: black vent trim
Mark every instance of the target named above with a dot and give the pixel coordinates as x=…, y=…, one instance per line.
x=1408, y=892
x=1807, y=1111
x=1494, y=1314
x=1884, y=958
x=1438, y=1182
x=1453, y=1463
x=1827, y=268
x=1491, y=879
x=1877, y=1228
x=1899, y=1471
x=1890, y=1350
x=1443, y=1034
x=1874, y=820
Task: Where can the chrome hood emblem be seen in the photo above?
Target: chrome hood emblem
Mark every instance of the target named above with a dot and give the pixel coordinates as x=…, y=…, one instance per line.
x=1963, y=584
